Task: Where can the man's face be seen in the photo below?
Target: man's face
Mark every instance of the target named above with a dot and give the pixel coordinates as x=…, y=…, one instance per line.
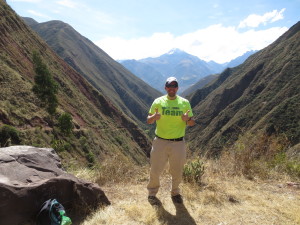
x=172, y=89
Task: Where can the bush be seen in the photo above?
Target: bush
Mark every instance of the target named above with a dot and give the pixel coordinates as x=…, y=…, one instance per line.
x=260, y=156
x=9, y=135
x=193, y=171
x=90, y=158
x=65, y=123
x=45, y=86
x=60, y=145
x=282, y=163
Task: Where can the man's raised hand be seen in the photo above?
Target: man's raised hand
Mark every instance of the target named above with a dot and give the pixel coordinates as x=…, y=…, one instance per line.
x=156, y=114
x=185, y=116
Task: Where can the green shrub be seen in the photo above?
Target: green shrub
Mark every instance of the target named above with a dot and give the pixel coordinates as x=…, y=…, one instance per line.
x=260, y=155
x=45, y=86
x=282, y=163
x=293, y=168
x=83, y=143
x=90, y=158
x=193, y=171
x=65, y=123
x=60, y=145
x=9, y=135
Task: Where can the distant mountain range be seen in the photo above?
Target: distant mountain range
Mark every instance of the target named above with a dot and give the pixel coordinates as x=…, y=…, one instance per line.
x=84, y=58
x=188, y=69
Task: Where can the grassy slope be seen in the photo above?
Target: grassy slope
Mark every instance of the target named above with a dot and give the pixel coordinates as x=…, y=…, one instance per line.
x=220, y=199
x=101, y=128
x=127, y=91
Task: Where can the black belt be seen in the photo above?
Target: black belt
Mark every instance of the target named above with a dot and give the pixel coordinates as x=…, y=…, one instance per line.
x=174, y=139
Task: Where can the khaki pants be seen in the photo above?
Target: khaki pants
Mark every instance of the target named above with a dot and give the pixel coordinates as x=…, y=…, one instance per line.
x=163, y=151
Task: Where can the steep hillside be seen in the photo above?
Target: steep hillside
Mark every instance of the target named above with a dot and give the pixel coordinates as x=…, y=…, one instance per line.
x=128, y=92
x=262, y=94
x=100, y=128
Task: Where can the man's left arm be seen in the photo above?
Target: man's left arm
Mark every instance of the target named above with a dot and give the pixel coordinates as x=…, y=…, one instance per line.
x=190, y=120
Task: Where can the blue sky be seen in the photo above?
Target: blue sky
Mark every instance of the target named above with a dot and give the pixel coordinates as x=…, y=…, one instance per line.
x=134, y=29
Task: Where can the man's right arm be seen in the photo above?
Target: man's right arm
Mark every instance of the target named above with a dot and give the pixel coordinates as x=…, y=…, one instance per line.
x=151, y=118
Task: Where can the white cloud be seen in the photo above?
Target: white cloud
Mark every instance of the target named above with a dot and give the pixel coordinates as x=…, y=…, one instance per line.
x=32, y=12
x=216, y=42
x=139, y=48
x=254, y=20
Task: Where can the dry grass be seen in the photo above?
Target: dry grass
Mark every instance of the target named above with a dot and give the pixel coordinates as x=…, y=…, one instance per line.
x=221, y=199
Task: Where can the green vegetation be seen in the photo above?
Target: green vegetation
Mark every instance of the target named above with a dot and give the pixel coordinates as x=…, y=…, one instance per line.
x=106, y=75
x=260, y=156
x=9, y=135
x=45, y=86
x=65, y=123
x=193, y=171
x=281, y=162
x=60, y=145
x=286, y=120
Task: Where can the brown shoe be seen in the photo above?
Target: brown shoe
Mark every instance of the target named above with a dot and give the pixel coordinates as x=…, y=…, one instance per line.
x=153, y=200
x=177, y=199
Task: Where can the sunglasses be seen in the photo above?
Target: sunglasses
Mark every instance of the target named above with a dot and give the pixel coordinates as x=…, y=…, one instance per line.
x=172, y=85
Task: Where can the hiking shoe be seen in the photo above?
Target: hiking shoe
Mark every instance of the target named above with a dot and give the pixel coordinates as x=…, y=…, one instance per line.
x=153, y=200
x=177, y=199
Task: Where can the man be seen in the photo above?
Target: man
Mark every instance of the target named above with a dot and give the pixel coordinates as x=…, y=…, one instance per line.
x=172, y=114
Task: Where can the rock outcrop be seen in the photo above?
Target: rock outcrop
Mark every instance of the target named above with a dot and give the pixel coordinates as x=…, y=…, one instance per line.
x=29, y=176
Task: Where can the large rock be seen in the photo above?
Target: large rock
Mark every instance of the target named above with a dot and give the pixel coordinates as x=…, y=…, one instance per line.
x=29, y=176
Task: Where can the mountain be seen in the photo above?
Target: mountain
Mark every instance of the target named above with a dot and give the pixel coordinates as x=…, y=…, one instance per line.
x=216, y=66
x=204, y=81
x=188, y=69
x=132, y=95
x=200, y=84
x=29, y=21
x=185, y=67
x=146, y=72
x=100, y=128
x=239, y=60
x=259, y=96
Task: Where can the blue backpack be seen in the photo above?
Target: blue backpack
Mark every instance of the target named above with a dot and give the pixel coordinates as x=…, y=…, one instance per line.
x=52, y=213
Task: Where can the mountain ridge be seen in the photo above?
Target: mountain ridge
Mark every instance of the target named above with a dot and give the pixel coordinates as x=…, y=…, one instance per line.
x=187, y=68
x=247, y=98
x=128, y=92
x=100, y=127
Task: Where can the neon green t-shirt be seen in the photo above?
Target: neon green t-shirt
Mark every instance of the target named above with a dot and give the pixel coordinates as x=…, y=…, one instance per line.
x=170, y=125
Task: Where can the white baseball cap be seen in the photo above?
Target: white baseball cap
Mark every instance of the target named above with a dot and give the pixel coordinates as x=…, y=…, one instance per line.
x=170, y=80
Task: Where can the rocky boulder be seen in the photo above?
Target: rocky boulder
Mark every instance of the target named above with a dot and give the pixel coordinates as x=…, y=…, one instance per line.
x=29, y=176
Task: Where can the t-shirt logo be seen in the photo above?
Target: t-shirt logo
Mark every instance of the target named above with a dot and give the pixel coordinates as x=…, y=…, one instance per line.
x=172, y=111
